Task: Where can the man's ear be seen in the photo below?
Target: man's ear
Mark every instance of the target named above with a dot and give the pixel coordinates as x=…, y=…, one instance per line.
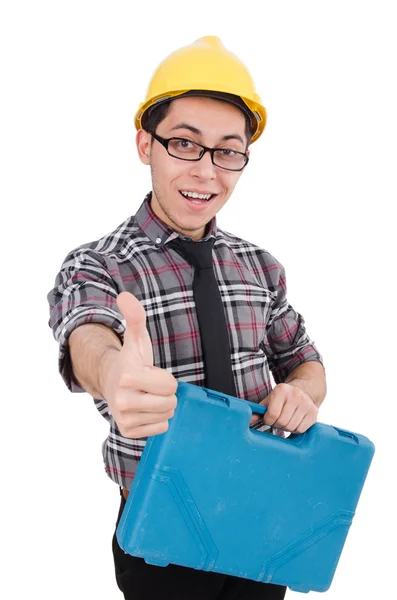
x=143, y=144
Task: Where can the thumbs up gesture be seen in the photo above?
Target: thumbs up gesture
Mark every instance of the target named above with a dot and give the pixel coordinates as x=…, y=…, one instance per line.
x=140, y=397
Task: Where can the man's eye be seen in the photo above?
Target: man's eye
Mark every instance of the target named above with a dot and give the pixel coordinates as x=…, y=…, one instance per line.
x=228, y=152
x=185, y=144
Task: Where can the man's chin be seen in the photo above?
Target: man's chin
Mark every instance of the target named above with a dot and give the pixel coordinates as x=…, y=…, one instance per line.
x=189, y=229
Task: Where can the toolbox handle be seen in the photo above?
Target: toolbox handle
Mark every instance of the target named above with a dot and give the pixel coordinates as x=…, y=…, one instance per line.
x=259, y=409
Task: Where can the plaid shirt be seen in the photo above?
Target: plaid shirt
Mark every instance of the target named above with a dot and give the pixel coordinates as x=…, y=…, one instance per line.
x=266, y=333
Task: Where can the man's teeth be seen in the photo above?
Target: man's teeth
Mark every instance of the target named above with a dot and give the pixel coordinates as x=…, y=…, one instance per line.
x=196, y=195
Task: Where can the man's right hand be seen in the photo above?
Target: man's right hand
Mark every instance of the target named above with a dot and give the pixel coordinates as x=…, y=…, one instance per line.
x=141, y=397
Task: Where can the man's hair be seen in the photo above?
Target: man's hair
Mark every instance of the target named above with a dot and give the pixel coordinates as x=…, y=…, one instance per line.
x=153, y=117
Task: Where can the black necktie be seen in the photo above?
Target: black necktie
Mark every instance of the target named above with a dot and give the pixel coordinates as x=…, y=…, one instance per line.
x=210, y=314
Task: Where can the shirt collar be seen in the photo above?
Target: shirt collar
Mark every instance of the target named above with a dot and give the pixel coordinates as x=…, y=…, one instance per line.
x=159, y=232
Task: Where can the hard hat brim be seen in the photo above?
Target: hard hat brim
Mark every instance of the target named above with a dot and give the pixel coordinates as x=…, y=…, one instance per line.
x=256, y=120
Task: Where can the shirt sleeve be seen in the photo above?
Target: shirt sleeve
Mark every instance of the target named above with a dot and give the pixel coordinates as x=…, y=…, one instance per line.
x=85, y=291
x=287, y=344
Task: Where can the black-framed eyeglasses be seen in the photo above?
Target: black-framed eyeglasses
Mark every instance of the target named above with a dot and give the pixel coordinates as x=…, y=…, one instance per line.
x=225, y=158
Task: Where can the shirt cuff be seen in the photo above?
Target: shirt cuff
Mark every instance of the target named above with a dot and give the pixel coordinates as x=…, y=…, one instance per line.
x=307, y=354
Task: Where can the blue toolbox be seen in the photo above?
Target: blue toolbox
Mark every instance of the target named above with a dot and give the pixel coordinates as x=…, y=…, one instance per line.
x=215, y=495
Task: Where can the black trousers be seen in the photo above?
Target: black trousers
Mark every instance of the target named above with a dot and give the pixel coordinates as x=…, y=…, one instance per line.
x=140, y=581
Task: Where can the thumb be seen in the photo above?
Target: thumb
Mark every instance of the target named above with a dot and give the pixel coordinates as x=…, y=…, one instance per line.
x=136, y=337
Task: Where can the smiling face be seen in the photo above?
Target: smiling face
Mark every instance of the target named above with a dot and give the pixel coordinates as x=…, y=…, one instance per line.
x=205, y=121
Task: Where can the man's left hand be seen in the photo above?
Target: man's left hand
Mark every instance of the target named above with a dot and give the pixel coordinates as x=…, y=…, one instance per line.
x=288, y=408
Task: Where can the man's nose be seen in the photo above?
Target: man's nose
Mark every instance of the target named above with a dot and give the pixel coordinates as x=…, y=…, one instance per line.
x=204, y=168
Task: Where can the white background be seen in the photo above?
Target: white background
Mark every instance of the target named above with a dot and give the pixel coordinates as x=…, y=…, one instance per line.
x=319, y=194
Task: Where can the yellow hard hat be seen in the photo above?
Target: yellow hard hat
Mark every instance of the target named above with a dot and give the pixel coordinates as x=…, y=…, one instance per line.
x=206, y=65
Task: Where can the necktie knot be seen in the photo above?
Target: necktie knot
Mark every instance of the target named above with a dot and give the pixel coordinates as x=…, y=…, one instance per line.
x=198, y=254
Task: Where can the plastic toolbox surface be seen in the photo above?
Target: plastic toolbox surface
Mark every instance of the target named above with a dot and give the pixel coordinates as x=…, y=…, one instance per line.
x=215, y=495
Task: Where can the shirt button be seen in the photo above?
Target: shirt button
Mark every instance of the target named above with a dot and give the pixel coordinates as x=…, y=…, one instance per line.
x=158, y=240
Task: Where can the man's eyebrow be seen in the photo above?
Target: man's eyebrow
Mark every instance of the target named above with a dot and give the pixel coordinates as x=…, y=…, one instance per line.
x=232, y=136
x=187, y=126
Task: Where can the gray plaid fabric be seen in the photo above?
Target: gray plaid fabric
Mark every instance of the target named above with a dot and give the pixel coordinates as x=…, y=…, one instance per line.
x=266, y=334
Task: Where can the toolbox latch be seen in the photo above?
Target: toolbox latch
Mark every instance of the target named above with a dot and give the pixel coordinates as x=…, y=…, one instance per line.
x=347, y=434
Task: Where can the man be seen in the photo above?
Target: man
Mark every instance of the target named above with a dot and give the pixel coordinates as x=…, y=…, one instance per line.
x=124, y=312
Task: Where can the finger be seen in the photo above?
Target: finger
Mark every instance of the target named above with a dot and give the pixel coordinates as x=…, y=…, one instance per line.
x=152, y=380
x=129, y=422
x=133, y=420
x=136, y=337
x=296, y=419
x=274, y=402
x=147, y=403
x=256, y=417
x=304, y=425
x=287, y=412
x=146, y=430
